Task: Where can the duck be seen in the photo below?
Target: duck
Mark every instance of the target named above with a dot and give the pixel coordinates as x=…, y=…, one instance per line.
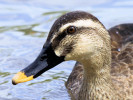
x=104, y=67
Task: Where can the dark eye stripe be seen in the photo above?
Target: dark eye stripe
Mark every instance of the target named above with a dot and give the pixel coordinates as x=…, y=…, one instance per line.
x=57, y=40
x=62, y=35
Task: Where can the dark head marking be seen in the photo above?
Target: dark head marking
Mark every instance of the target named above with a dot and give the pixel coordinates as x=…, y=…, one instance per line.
x=69, y=18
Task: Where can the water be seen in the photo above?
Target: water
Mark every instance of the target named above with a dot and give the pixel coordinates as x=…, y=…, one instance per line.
x=24, y=26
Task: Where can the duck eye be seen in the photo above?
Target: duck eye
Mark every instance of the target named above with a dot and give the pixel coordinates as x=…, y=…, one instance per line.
x=71, y=29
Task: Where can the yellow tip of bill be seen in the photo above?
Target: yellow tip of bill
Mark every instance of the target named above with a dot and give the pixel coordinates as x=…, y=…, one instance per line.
x=21, y=77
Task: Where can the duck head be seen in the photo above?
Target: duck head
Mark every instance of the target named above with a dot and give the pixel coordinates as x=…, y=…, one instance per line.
x=76, y=36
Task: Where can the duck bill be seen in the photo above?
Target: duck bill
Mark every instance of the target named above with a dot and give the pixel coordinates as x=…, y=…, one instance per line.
x=46, y=60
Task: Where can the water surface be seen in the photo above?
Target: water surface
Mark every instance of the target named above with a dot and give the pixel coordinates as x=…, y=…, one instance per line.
x=24, y=26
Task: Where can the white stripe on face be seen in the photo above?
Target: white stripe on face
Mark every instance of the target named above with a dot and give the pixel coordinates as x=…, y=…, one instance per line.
x=82, y=23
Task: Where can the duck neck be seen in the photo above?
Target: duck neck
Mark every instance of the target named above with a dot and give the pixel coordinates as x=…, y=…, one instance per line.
x=97, y=84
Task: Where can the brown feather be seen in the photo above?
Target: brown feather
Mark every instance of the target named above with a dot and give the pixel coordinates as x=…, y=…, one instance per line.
x=122, y=63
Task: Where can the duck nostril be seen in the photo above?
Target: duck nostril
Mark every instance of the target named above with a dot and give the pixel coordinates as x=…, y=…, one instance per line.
x=43, y=57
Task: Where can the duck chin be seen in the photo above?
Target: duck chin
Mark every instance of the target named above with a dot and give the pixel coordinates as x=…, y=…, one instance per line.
x=69, y=57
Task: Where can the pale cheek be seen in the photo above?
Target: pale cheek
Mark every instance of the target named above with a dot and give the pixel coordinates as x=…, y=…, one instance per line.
x=58, y=51
x=77, y=55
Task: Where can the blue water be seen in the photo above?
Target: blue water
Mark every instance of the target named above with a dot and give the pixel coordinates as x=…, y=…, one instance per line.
x=24, y=26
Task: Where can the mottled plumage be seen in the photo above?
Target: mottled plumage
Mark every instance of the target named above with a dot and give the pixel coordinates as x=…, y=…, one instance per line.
x=121, y=67
x=105, y=71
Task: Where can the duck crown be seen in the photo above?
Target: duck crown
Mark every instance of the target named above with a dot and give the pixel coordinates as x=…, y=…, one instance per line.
x=77, y=18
